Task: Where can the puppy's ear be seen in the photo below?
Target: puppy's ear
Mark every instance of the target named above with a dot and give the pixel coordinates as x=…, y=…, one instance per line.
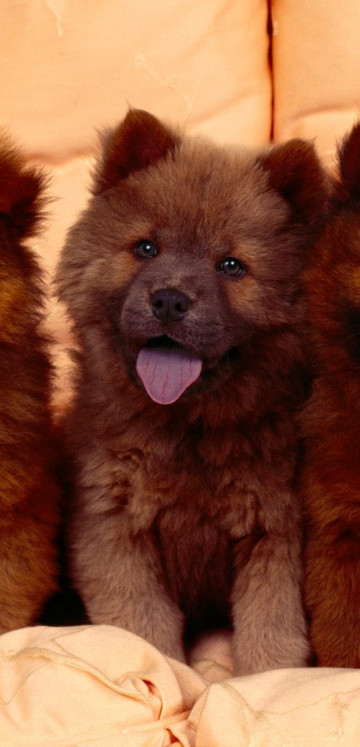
x=138, y=142
x=295, y=172
x=20, y=190
x=349, y=164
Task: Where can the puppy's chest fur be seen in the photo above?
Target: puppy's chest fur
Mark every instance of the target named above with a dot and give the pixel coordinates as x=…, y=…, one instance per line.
x=195, y=489
x=187, y=477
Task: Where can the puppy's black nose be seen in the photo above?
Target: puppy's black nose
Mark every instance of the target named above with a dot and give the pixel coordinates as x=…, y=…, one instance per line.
x=170, y=304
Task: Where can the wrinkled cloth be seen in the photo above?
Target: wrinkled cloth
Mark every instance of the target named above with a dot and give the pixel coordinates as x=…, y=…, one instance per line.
x=101, y=686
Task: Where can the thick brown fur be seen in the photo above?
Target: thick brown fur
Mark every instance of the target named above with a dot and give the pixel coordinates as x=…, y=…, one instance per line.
x=28, y=491
x=331, y=425
x=186, y=512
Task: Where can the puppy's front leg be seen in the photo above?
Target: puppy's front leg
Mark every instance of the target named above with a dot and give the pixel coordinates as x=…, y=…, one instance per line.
x=120, y=580
x=269, y=622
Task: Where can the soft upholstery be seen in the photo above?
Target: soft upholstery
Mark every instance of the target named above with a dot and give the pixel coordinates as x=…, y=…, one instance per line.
x=316, y=64
x=103, y=686
x=241, y=71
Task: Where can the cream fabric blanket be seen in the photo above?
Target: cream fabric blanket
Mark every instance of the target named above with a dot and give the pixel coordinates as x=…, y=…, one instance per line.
x=101, y=686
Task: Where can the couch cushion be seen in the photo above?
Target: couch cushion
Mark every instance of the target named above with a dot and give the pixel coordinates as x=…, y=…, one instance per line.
x=316, y=58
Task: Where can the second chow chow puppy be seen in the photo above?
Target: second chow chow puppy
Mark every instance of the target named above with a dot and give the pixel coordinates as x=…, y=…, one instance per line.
x=28, y=490
x=181, y=279
x=331, y=424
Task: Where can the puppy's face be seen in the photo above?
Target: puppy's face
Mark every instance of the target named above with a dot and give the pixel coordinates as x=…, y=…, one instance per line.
x=187, y=254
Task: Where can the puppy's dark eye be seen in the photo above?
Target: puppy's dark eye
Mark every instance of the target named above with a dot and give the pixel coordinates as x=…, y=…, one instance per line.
x=145, y=249
x=232, y=267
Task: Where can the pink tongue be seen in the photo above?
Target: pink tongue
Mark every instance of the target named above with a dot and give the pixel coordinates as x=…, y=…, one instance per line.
x=167, y=372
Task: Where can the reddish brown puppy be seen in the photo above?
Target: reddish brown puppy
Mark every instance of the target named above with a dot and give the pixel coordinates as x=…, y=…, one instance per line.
x=182, y=281
x=28, y=493
x=332, y=426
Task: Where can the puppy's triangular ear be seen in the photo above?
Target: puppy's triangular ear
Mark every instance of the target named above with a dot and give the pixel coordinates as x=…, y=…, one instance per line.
x=138, y=142
x=20, y=190
x=349, y=163
x=295, y=172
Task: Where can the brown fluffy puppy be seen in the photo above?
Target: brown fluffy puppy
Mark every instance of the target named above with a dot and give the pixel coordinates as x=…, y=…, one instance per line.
x=332, y=425
x=181, y=278
x=28, y=494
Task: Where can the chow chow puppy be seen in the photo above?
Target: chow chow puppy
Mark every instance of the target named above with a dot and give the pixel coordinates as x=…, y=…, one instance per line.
x=182, y=281
x=28, y=492
x=331, y=425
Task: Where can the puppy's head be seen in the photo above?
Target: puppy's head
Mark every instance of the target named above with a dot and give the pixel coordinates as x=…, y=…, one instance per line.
x=188, y=252
x=332, y=280
x=21, y=203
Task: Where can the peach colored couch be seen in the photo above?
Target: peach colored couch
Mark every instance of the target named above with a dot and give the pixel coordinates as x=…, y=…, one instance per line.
x=242, y=71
